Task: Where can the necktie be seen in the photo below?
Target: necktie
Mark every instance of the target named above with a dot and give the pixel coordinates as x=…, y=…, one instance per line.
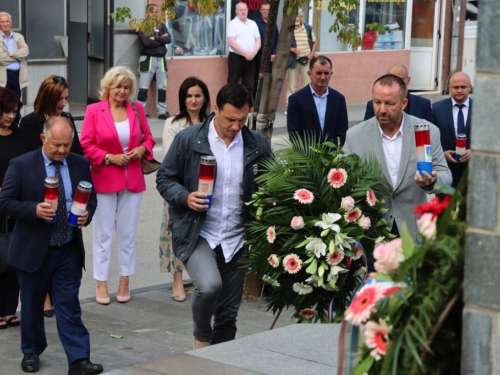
x=460, y=119
x=60, y=230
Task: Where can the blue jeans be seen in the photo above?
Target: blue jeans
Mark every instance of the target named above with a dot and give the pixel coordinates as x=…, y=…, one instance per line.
x=13, y=82
x=218, y=288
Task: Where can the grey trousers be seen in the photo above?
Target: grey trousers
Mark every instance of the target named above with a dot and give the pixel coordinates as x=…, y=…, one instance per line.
x=154, y=65
x=218, y=288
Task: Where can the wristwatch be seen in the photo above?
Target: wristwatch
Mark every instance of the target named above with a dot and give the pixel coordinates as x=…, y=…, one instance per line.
x=106, y=159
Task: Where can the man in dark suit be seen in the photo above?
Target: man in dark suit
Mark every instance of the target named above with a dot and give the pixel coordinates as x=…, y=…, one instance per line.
x=49, y=255
x=453, y=116
x=417, y=106
x=318, y=109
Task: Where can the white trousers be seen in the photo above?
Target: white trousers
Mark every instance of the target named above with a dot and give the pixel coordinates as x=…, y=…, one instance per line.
x=120, y=212
x=293, y=78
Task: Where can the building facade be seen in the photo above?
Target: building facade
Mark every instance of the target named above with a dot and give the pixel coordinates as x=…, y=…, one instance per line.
x=78, y=40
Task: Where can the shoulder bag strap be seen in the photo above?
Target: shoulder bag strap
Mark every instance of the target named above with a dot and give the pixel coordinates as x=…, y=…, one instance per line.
x=140, y=122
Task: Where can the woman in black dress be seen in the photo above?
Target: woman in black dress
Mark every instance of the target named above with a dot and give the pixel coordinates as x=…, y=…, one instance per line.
x=11, y=145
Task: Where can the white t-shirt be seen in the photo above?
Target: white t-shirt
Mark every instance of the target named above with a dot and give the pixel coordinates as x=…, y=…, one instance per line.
x=245, y=33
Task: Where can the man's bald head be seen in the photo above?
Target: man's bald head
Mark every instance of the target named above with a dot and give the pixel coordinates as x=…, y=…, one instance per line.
x=401, y=71
x=460, y=87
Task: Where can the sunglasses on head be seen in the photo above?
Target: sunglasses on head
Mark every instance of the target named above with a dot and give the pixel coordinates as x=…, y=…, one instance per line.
x=58, y=79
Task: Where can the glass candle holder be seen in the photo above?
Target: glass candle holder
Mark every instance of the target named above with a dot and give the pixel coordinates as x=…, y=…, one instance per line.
x=461, y=146
x=206, y=177
x=423, y=148
x=80, y=201
x=50, y=196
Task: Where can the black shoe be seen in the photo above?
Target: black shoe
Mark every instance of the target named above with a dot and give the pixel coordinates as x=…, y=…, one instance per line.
x=164, y=116
x=30, y=363
x=48, y=313
x=84, y=367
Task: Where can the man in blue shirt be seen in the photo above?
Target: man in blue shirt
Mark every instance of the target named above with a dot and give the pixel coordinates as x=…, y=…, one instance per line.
x=262, y=25
x=317, y=109
x=13, y=53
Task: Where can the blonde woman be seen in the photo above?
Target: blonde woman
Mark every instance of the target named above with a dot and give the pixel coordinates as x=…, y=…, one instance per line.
x=111, y=139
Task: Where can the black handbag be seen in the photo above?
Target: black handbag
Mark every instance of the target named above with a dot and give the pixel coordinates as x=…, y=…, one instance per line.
x=4, y=248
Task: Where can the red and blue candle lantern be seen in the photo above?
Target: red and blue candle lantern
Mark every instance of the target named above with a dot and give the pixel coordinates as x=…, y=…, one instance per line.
x=460, y=146
x=423, y=148
x=206, y=178
x=80, y=201
x=50, y=195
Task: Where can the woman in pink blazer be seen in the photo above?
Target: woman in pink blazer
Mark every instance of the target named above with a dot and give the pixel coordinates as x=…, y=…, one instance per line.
x=111, y=140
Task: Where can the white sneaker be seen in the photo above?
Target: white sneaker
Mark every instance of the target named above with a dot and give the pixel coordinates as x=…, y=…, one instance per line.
x=284, y=113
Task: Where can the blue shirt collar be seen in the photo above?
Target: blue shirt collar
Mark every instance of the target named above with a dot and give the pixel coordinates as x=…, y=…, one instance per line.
x=316, y=95
x=48, y=161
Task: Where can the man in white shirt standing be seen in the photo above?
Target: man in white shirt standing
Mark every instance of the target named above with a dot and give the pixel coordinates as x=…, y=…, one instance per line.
x=210, y=241
x=244, y=42
x=390, y=138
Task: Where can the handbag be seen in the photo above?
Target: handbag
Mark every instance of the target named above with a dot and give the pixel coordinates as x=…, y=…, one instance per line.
x=4, y=248
x=148, y=166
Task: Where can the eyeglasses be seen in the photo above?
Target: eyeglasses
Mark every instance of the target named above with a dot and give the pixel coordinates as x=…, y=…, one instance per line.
x=58, y=79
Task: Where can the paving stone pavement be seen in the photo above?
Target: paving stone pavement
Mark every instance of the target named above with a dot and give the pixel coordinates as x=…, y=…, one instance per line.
x=153, y=327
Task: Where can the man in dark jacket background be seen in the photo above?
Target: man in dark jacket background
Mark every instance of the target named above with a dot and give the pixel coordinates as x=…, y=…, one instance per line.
x=210, y=241
x=152, y=62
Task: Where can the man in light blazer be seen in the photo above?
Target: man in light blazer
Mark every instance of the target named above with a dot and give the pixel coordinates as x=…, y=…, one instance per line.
x=417, y=106
x=447, y=115
x=390, y=138
x=317, y=109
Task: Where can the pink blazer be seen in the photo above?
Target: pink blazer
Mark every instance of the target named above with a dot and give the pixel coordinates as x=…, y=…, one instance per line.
x=99, y=137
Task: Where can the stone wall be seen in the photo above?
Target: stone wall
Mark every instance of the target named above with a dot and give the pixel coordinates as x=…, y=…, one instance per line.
x=481, y=317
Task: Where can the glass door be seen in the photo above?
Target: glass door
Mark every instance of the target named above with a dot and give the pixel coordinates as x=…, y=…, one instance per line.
x=424, y=45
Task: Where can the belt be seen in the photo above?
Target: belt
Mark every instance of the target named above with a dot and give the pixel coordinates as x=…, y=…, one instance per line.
x=12, y=71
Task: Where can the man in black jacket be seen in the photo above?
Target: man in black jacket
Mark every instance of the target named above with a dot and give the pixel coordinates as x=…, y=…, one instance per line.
x=152, y=61
x=210, y=242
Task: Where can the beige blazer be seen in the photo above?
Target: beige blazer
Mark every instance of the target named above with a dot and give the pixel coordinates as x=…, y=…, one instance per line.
x=170, y=130
x=19, y=55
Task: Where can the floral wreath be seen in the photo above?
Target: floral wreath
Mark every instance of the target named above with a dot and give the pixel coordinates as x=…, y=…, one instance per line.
x=316, y=210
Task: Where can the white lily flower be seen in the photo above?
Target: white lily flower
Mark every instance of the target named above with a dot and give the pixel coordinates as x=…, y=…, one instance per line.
x=328, y=222
x=334, y=273
x=317, y=246
x=343, y=241
x=313, y=280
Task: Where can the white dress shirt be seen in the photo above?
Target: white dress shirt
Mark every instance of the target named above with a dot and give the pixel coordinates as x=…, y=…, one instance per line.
x=455, y=110
x=392, y=151
x=224, y=223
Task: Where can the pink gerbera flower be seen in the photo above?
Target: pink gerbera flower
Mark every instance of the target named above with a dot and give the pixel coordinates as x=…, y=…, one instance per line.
x=352, y=215
x=364, y=303
x=358, y=248
x=308, y=313
x=304, y=196
x=371, y=199
x=273, y=260
x=335, y=258
x=292, y=263
x=377, y=337
x=271, y=234
x=337, y=177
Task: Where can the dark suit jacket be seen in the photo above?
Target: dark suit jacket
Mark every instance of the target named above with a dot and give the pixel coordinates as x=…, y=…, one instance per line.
x=443, y=113
x=303, y=115
x=419, y=107
x=31, y=126
x=22, y=191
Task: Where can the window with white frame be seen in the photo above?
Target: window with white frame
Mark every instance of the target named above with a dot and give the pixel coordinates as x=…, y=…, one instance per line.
x=390, y=14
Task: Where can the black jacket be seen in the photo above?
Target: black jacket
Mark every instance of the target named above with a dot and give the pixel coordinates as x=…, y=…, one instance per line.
x=157, y=46
x=31, y=126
